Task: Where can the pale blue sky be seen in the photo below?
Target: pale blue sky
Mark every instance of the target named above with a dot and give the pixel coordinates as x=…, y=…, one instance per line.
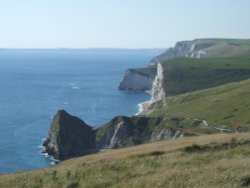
x=119, y=23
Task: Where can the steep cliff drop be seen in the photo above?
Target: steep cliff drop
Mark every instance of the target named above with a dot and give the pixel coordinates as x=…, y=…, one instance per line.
x=143, y=79
x=134, y=80
x=69, y=136
x=158, y=92
x=197, y=48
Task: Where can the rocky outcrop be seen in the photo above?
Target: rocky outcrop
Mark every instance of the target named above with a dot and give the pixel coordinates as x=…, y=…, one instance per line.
x=136, y=81
x=202, y=48
x=124, y=131
x=69, y=136
x=114, y=134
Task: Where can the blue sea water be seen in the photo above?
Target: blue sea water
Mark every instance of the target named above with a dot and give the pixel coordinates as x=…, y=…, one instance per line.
x=34, y=84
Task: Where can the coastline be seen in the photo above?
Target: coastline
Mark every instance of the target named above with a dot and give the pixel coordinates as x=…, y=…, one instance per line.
x=143, y=107
x=43, y=152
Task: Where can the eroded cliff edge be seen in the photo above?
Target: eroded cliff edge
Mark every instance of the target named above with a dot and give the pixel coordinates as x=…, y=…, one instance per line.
x=142, y=79
x=138, y=79
x=70, y=136
x=194, y=49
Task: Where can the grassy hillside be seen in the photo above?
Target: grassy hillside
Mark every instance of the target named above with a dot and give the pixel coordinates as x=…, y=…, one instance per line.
x=212, y=90
x=222, y=106
x=207, y=48
x=185, y=74
x=224, y=159
x=224, y=47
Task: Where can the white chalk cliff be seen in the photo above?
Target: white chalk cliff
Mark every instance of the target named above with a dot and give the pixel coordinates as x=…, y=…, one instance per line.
x=158, y=92
x=199, y=48
x=191, y=49
x=136, y=81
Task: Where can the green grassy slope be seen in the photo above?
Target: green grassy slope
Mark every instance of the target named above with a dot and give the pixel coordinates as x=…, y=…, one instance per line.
x=210, y=88
x=223, y=105
x=185, y=74
x=224, y=47
x=205, y=161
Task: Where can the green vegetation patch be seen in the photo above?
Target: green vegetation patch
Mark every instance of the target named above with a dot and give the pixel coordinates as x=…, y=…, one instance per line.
x=184, y=75
x=225, y=107
x=149, y=71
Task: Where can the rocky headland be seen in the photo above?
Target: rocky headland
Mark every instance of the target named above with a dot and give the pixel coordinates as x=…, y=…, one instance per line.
x=70, y=136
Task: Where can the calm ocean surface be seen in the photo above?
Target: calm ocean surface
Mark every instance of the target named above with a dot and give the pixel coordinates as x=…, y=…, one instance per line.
x=34, y=84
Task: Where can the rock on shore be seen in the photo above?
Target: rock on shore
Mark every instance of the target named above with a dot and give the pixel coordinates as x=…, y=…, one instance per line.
x=69, y=136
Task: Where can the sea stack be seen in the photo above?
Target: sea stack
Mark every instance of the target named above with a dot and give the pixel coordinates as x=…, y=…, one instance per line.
x=68, y=137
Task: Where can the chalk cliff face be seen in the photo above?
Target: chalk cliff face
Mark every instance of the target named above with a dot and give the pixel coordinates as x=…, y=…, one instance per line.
x=199, y=48
x=189, y=49
x=158, y=92
x=202, y=48
x=135, y=81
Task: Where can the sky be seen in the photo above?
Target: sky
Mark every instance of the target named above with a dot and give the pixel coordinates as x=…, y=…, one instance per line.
x=119, y=23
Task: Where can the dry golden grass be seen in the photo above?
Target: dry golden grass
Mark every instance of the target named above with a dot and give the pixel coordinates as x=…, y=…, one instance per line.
x=161, y=164
x=167, y=146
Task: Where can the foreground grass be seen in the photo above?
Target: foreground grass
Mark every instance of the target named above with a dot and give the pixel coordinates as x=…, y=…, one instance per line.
x=220, y=160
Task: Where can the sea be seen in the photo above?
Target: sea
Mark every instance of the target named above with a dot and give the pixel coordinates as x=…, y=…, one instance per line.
x=35, y=84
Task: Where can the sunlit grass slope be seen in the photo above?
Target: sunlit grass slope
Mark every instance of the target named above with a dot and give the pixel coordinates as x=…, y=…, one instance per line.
x=227, y=105
x=220, y=160
x=184, y=75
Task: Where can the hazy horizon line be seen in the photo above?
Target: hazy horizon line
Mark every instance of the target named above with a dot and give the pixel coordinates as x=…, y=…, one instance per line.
x=91, y=48
x=117, y=48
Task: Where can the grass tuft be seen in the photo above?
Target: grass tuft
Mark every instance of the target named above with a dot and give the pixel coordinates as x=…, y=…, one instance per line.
x=153, y=153
x=245, y=181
